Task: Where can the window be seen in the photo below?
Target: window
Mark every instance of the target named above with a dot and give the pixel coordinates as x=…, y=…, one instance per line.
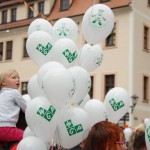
x=4, y=16
x=124, y=120
x=9, y=50
x=91, y=90
x=64, y=5
x=24, y=88
x=25, y=54
x=13, y=14
x=41, y=8
x=111, y=39
x=109, y=82
x=148, y=2
x=103, y=1
x=1, y=51
x=30, y=12
x=145, y=88
x=146, y=38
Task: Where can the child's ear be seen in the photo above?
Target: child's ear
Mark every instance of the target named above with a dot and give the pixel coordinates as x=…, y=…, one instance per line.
x=3, y=83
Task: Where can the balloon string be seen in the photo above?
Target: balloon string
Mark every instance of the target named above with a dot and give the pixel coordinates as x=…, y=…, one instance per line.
x=90, y=44
x=92, y=8
x=60, y=113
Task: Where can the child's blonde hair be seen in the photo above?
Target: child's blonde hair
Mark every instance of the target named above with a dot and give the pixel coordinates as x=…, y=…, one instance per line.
x=5, y=75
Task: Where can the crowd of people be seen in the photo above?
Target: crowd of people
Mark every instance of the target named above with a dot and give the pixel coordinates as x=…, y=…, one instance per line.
x=103, y=135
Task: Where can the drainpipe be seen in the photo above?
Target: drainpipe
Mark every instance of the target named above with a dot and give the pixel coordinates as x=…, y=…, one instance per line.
x=131, y=64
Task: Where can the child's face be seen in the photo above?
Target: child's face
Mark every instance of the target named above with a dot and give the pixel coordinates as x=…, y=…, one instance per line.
x=13, y=81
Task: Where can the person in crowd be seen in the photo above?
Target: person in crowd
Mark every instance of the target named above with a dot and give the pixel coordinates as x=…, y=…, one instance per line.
x=137, y=138
x=78, y=147
x=105, y=135
x=10, y=103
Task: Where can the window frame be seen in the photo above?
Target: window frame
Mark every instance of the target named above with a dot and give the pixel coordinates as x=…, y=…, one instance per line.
x=4, y=16
x=146, y=88
x=13, y=14
x=124, y=120
x=146, y=32
x=41, y=9
x=112, y=86
x=148, y=3
x=112, y=36
x=104, y=1
x=30, y=12
x=22, y=86
x=64, y=5
x=24, y=53
x=91, y=92
x=1, y=51
x=9, y=50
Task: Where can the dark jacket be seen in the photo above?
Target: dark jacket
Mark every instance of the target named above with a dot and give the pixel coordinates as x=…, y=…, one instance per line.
x=76, y=148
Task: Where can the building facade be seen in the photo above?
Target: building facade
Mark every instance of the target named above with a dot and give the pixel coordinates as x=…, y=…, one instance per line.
x=126, y=60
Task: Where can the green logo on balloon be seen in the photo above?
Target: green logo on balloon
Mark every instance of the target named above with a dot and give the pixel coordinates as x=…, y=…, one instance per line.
x=72, y=91
x=38, y=27
x=47, y=114
x=73, y=129
x=44, y=49
x=116, y=106
x=98, y=19
x=63, y=31
x=98, y=60
x=70, y=56
x=88, y=85
x=148, y=132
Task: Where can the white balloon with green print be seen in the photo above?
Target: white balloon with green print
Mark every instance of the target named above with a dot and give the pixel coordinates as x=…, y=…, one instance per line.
x=116, y=103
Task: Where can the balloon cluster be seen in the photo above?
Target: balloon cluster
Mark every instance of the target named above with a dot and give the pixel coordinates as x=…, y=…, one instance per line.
x=60, y=110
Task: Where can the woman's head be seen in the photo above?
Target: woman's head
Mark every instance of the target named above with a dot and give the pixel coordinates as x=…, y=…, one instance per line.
x=106, y=136
x=9, y=79
x=137, y=138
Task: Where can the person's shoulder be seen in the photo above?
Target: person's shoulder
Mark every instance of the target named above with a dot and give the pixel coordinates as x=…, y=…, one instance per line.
x=12, y=91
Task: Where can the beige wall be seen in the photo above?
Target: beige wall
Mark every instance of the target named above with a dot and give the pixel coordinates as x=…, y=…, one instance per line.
x=142, y=58
x=25, y=67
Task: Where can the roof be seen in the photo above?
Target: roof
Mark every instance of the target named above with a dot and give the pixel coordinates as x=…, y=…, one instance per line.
x=77, y=7
x=6, y=3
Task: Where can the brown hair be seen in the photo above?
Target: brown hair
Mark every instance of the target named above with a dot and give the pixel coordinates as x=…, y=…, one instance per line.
x=137, y=138
x=5, y=75
x=103, y=135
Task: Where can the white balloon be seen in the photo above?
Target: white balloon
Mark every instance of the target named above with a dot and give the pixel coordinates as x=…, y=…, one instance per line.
x=147, y=135
x=27, y=98
x=117, y=104
x=127, y=133
x=97, y=24
x=65, y=28
x=31, y=143
x=33, y=88
x=84, y=100
x=49, y=66
x=66, y=52
x=58, y=86
x=40, y=24
x=42, y=118
x=72, y=127
x=28, y=132
x=82, y=83
x=146, y=121
x=90, y=57
x=96, y=111
x=40, y=47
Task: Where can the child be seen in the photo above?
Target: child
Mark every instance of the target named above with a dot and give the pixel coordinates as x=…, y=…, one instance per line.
x=137, y=138
x=10, y=103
